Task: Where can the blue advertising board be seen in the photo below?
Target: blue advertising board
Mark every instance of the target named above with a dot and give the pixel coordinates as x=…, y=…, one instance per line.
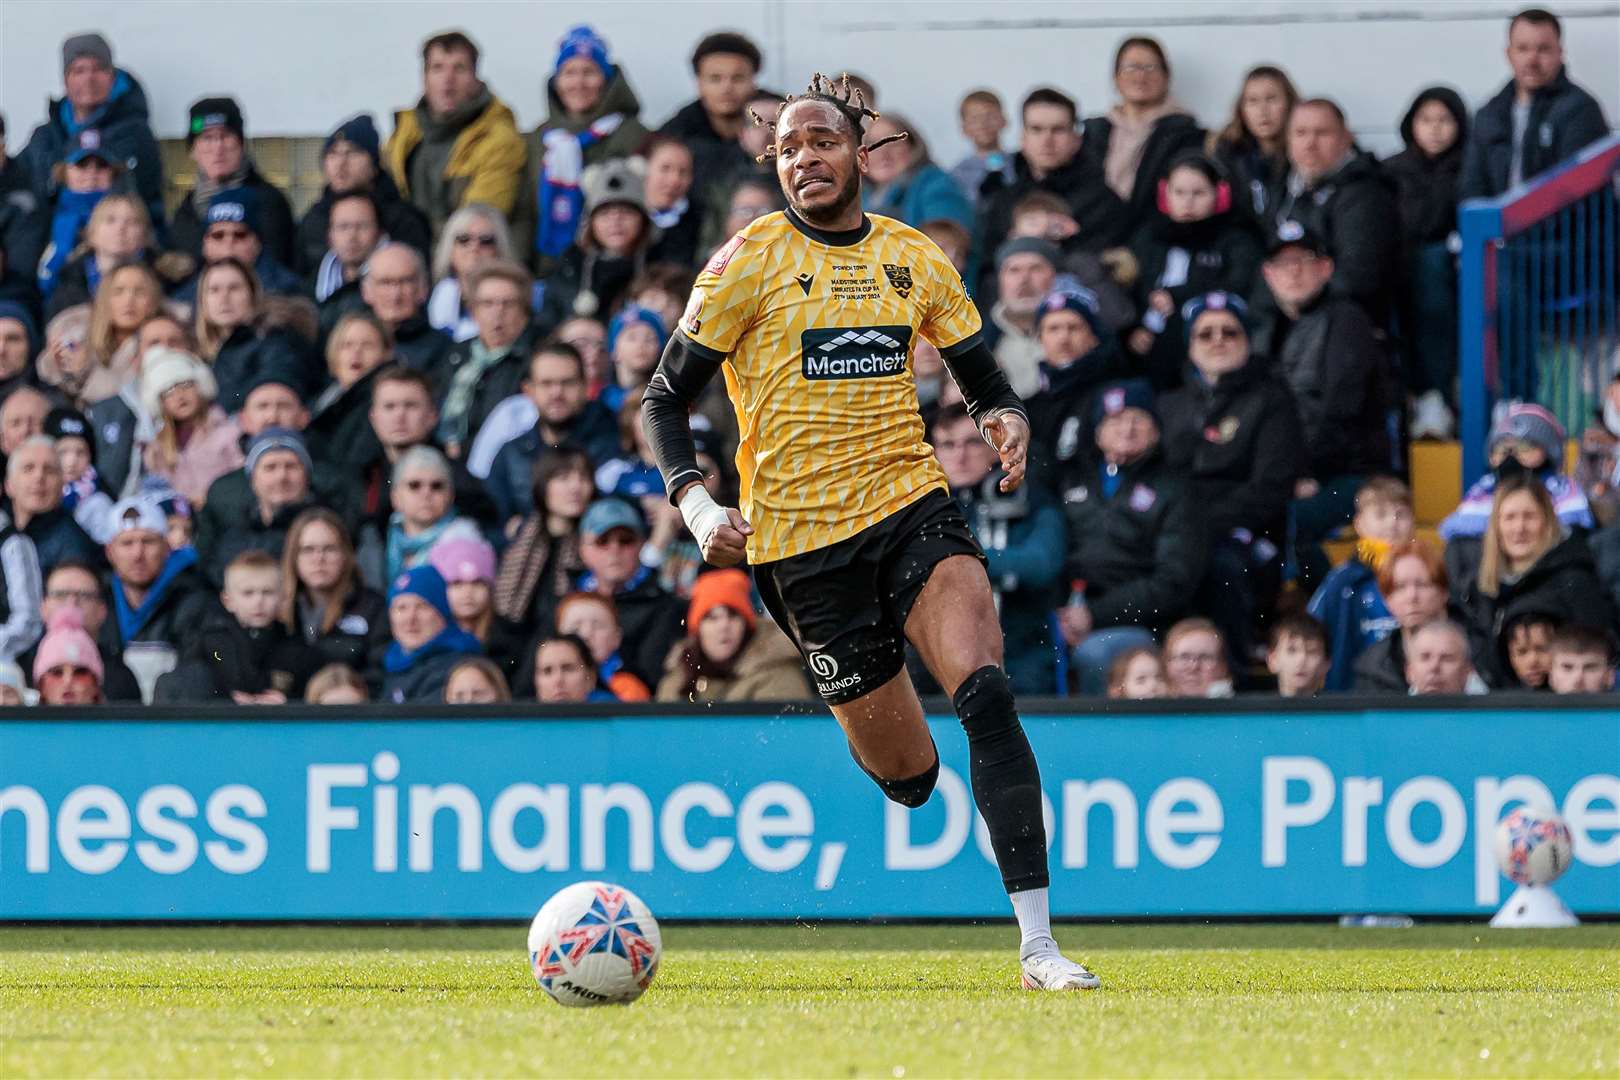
x=1251, y=811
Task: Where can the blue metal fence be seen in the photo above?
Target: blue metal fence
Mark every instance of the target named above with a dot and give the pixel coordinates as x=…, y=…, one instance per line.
x=1539, y=296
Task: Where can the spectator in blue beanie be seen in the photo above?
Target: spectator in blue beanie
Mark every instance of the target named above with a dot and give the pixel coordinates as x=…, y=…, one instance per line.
x=351, y=164
x=1078, y=354
x=217, y=142
x=593, y=116
x=19, y=344
x=233, y=228
x=427, y=643
x=635, y=341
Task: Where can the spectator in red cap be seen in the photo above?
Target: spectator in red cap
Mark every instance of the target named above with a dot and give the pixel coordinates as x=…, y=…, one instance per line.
x=728, y=654
x=67, y=667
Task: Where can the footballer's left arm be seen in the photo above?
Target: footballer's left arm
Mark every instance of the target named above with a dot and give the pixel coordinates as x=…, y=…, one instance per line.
x=992, y=403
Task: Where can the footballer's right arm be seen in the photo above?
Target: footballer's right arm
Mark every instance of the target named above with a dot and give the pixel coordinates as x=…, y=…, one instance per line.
x=684, y=370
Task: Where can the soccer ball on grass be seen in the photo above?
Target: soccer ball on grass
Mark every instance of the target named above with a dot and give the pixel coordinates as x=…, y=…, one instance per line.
x=1533, y=846
x=594, y=944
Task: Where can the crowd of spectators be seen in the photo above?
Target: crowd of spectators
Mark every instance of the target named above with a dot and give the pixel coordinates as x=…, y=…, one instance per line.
x=389, y=448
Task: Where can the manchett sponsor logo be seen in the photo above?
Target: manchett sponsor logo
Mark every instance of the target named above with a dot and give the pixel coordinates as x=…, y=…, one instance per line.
x=856, y=353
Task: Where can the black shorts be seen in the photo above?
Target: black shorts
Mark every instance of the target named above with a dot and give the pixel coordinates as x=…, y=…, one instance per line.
x=845, y=605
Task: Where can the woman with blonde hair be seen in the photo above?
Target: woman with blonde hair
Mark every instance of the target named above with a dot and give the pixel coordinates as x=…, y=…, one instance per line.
x=322, y=599
x=234, y=337
x=473, y=236
x=358, y=347
x=1526, y=563
x=119, y=231
x=336, y=684
x=477, y=680
x=195, y=443
x=104, y=358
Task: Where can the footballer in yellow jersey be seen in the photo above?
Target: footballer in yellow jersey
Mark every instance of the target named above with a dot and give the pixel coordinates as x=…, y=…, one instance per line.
x=845, y=515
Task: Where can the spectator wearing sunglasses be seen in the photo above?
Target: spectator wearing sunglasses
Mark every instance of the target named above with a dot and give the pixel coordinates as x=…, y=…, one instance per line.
x=423, y=496
x=1234, y=429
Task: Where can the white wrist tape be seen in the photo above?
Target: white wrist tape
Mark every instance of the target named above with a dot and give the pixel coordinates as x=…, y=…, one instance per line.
x=703, y=516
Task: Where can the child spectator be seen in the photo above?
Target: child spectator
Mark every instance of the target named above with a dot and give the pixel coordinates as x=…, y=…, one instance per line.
x=1426, y=175
x=1348, y=602
x=1524, y=644
x=195, y=443
x=593, y=619
x=1196, y=243
x=1138, y=674
x=728, y=654
x=67, y=667
x=1195, y=660
x=565, y=674
x=14, y=689
x=82, y=495
x=1524, y=438
x=635, y=341
x=1298, y=656
x=427, y=642
x=1582, y=661
x=336, y=684
x=241, y=651
x=983, y=121
x=613, y=239
x=467, y=564
x=476, y=681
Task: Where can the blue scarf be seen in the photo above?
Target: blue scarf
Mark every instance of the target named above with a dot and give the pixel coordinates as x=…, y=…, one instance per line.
x=587, y=581
x=131, y=621
x=405, y=552
x=72, y=214
x=121, y=86
x=560, y=199
x=452, y=639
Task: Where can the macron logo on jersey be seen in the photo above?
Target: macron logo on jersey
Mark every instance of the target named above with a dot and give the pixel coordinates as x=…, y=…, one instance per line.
x=868, y=352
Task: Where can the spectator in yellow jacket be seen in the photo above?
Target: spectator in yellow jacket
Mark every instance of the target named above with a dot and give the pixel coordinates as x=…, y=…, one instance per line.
x=460, y=143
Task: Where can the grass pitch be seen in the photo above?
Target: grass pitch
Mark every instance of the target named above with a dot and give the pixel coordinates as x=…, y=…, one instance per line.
x=903, y=1001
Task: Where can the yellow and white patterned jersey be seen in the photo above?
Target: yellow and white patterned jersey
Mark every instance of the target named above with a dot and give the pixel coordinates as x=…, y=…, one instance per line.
x=816, y=331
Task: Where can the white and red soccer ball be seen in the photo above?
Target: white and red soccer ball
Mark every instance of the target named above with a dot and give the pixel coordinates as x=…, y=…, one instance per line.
x=594, y=944
x=1533, y=846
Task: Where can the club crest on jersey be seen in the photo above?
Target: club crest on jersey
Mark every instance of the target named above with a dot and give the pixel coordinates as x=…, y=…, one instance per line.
x=859, y=352
x=899, y=277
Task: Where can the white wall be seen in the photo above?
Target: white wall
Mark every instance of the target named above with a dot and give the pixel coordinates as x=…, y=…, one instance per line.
x=298, y=67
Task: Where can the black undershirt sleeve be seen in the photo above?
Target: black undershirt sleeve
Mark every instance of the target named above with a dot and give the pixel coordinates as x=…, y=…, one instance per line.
x=984, y=386
x=684, y=370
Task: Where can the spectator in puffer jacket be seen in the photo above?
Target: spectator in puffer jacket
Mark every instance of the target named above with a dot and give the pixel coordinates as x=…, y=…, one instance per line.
x=1348, y=602
x=108, y=99
x=459, y=145
x=1337, y=191
x=1325, y=349
x=1234, y=430
x=1538, y=120
x=1137, y=546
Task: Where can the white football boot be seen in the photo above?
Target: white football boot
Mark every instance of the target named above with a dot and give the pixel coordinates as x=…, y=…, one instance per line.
x=1048, y=969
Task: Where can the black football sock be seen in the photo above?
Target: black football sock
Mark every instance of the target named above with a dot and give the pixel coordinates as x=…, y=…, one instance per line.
x=911, y=791
x=1006, y=780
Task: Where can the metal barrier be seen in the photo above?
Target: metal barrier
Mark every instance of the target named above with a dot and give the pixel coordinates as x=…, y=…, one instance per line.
x=1539, y=295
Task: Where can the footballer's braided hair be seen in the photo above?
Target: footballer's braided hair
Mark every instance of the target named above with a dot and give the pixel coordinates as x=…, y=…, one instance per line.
x=842, y=95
